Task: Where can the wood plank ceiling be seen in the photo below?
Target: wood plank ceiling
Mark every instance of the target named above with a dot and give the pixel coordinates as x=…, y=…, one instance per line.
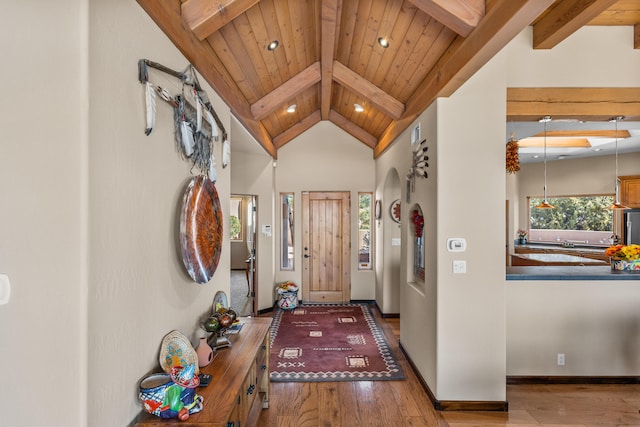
x=328, y=57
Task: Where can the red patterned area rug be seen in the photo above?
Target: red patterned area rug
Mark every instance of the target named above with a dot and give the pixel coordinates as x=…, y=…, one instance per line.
x=320, y=342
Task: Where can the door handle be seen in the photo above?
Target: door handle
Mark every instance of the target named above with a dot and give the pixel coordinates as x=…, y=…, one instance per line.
x=305, y=256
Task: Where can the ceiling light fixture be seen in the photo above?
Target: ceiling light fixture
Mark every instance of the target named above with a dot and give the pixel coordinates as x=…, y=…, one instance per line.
x=291, y=108
x=545, y=204
x=359, y=108
x=273, y=45
x=616, y=204
x=383, y=42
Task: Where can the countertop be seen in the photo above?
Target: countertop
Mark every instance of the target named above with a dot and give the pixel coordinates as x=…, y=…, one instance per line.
x=559, y=247
x=559, y=258
x=569, y=273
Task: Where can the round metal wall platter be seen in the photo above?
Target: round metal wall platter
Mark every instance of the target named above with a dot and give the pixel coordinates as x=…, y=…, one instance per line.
x=201, y=229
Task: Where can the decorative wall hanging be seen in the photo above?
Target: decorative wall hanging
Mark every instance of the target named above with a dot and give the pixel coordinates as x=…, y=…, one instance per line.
x=378, y=211
x=394, y=210
x=512, y=160
x=201, y=229
x=196, y=123
x=418, y=167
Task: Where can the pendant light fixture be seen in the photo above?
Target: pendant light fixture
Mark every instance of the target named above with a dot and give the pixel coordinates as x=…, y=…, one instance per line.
x=545, y=204
x=616, y=204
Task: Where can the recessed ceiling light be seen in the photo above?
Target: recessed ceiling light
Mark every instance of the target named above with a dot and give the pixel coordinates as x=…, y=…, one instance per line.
x=273, y=45
x=383, y=42
x=291, y=108
x=536, y=156
x=359, y=108
x=597, y=149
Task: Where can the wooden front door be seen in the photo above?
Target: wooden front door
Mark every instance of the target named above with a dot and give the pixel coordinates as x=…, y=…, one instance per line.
x=326, y=243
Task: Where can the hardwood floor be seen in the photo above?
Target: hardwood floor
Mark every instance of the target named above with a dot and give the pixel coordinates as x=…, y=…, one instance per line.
x=404, y=403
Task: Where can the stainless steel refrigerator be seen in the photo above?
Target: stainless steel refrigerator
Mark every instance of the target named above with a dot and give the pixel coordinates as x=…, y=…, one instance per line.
x=632, y=226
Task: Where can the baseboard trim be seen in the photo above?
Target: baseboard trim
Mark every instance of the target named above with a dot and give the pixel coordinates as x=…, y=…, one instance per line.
x=544, y=379
x=385, y=315
x=267, y=310
x=454, y=405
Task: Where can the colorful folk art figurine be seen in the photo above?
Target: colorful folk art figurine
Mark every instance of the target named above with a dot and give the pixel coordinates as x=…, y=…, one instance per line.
x=171, y=395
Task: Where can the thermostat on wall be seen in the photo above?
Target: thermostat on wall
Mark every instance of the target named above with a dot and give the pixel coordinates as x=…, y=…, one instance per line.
x=457, y=244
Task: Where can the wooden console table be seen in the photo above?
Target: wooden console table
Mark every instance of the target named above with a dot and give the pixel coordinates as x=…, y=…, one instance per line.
x=239, y=388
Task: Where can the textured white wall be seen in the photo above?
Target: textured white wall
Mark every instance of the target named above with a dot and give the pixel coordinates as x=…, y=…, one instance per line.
x=470, y=203
x=325, y=158
x=591, y=57
x=139, y=289
x=43, y=212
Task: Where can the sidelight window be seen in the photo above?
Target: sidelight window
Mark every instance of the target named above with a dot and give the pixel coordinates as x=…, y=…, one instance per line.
x=286, y=231
x=364, y=231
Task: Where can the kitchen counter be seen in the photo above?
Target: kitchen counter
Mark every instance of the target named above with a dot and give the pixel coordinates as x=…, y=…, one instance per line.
x=549, y=247
x=569, y=273
x=536, y=259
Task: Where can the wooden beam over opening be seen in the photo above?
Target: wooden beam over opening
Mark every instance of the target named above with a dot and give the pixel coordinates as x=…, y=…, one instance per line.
x=586, y=103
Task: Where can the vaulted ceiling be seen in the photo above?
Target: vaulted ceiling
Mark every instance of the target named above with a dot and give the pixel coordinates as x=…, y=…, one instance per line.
x=330, y=57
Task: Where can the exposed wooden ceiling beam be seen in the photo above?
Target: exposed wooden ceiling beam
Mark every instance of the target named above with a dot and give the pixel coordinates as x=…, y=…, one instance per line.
x=296, y=129
x=564, y=19
x=352, y=129
x=287, y=91
x=205, y=17
x=588, y=104
x=167, y=16
x=555, y=142
x=622, y=133
x=461, y=16
x=330, y=17
x=356, y=83
x=503, y=22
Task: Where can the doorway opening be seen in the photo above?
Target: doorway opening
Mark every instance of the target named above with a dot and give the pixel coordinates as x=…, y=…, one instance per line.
x=242, y=232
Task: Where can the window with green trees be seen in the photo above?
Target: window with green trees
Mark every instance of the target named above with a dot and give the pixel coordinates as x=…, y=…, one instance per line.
x=364, y=231
x=575, y=219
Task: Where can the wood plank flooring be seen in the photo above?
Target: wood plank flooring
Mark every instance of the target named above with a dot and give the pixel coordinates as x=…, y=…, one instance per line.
x=404, y=403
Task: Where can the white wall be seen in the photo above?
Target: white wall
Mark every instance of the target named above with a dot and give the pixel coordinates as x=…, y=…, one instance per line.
x=325, y=158
x=139, y=289
x=470, y=203
x=418, y=304
x=43, y=214
x=388, y=260
x=594, y=323
x=455, y=325
x=591, y=57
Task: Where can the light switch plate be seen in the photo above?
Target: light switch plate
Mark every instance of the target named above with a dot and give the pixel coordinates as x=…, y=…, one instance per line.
x=459, y=267
x=5, y=289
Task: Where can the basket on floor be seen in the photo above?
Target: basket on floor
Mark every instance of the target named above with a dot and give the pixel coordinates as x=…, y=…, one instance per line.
x=288, y=300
